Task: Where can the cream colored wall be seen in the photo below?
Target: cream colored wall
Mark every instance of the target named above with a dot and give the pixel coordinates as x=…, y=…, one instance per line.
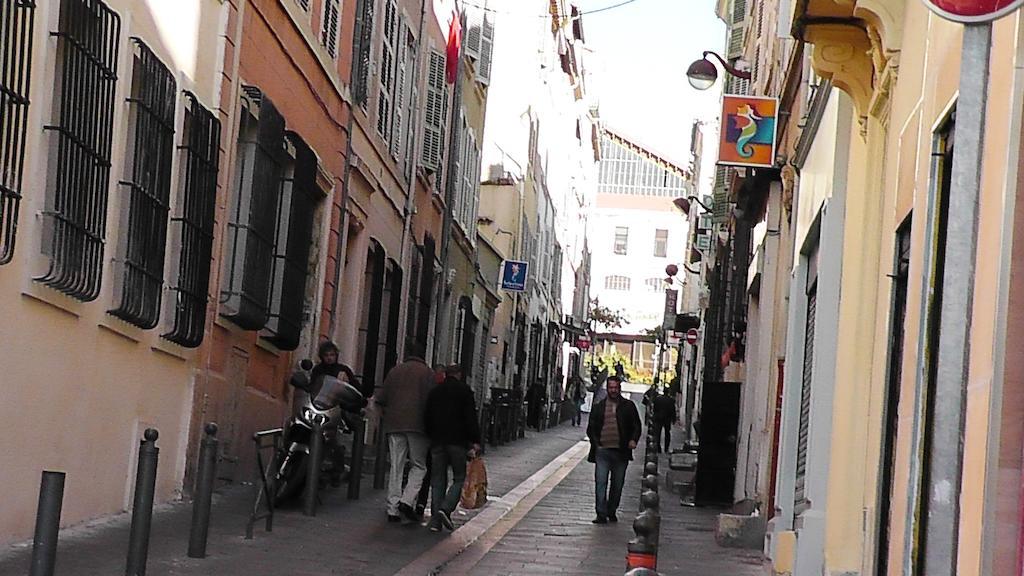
x=80, y=386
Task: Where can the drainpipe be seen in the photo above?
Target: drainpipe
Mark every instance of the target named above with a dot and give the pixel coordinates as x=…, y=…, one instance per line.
x=441, y=314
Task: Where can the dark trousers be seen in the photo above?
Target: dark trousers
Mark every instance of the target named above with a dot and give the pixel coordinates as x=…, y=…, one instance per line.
x=611, y=464
x=659, y=427
x=577, y=415
x=446, y=497
x=421, y=498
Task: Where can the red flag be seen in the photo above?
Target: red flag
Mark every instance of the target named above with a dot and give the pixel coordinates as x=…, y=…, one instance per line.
x=454, y=48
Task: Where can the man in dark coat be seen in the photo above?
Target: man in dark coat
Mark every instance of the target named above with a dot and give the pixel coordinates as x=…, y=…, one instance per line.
x=665, y=415
x=614, y=430
x=454, y=431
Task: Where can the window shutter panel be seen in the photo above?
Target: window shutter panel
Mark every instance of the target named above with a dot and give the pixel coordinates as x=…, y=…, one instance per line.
x=363, y=31
x=398, y=114
x=329, y=27
x=385, y=100
x=735, y=43
x=483, y=66
x=474, y=32
x=739, y=11
x=433, y=135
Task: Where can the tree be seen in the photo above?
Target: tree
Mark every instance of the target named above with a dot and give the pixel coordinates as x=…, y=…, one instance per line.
x=604, y=317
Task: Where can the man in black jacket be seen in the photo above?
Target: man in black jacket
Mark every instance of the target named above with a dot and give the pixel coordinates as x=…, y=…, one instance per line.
x=453, y=429
x=613, y=430
x=665, y=415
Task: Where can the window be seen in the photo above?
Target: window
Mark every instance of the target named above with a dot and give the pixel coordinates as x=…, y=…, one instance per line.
x=296, y=207
x=621, y=240
x=388, y=49
x=364, y=33
x=435, y=114
x=655, y=284
x=616, y=283
x=372, y=302
x=329, y=25
x=483, y=66
x=14, y=101
x=147, y=190
x=468, y=169
x=249, y=255
x=806, y=384
x=660, y=243
x=76, y=212
x=406, y=54
x=192, y=223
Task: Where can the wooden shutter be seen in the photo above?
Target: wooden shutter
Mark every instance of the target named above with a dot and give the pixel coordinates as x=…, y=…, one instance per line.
x=329, y=31
x=364, y=32
x=474, y=31
x=385, y=98
x=434, y=111
x=398, y=111
x=483, y=67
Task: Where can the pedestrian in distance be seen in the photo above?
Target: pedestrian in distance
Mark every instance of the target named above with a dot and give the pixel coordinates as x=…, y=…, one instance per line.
x=614, y=430
x=421, y=500
x=454, y=432
x=577, y=394
x=403, y=398
x=665, y=415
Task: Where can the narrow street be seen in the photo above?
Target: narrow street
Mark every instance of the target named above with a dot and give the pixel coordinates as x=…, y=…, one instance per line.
x=536, y=522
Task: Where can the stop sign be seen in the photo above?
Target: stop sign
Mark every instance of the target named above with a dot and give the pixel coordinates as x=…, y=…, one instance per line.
x=973, y=11
x=691, y=336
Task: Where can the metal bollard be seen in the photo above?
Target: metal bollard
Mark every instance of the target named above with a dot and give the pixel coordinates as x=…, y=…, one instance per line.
x=641, y=551
x=641, y=572
x=142, y=509
x=203, y=499
x=44, y=545
x=358, y=450
x=381, y=461
x=316, y=455
x=651, y=469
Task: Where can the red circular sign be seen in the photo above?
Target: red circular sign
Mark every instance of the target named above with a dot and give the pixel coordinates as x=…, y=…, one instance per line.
x=583, y=343
x=692, y=335
x=972, y=11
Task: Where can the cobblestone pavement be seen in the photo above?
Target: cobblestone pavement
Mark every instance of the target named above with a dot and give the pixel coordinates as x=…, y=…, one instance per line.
x=538, y=522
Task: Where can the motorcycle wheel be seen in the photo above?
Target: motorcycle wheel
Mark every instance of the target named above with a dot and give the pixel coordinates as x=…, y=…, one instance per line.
x=291, y=480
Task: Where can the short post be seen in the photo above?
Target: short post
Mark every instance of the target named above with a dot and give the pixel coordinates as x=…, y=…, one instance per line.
x=355, y=477
x=44, y=545
x=142, y=509
x=641, y=552
x=203, y=500
x=380, y=464
x=316, y=455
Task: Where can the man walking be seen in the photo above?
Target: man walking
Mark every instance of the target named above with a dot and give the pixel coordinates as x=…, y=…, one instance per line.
x=613, y=430
x=404, y=397
x=665, y=415
x=577, y=394
x=453, y=429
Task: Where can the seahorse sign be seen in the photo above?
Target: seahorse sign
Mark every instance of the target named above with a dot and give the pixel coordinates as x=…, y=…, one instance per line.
x=747, y=123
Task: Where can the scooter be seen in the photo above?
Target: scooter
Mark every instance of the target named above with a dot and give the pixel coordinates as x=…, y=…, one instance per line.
x=332, y=402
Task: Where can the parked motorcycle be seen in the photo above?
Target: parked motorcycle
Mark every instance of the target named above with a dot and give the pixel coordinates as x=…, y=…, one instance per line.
x=333, y=402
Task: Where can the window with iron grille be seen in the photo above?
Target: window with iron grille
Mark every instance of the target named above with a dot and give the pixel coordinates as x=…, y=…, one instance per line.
x=146, y=190
x=363, y=45
x=18, y=17
x=192, y=223
x=76, y=213
x=435, y=114
x=329, y=26
x=296, y=208
x=386, y=72
x=252, y=226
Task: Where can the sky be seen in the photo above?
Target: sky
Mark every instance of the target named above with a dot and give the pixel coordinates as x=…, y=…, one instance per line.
x=642, y=51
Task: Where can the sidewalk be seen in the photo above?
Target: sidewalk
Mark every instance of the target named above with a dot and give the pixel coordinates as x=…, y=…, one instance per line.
x=346, y=537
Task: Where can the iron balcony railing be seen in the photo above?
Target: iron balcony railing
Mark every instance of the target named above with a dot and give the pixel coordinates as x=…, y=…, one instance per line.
x=87, y=50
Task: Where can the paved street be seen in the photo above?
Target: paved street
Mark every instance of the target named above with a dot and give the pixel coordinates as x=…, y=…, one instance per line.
x=538, y=522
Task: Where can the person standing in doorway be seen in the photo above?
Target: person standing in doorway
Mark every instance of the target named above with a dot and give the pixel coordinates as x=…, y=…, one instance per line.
x=665, y=415
x=613, y=430
x=404, y=398
x=454, y=432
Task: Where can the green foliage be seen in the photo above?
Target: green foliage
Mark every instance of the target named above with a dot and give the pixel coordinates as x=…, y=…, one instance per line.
x=605, y=318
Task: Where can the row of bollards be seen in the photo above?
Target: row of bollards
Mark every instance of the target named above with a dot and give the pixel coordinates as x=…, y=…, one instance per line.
x=51, y=497
x=642, y=550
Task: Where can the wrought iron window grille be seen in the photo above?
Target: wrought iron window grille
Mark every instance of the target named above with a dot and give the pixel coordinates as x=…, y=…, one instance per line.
x=147, y=185
x=249, y=258
x=88, y=36
x=193, y=223
x=18, y=17
x=296, y=208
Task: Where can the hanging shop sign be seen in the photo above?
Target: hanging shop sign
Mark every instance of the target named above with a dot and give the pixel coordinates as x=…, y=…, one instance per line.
x=513, y=275
x=747, y=132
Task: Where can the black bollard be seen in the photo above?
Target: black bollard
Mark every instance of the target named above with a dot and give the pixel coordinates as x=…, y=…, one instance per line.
x=203, y=500
x=142, y=509
x=316, y=455
x=44, y=545
x=358, y=450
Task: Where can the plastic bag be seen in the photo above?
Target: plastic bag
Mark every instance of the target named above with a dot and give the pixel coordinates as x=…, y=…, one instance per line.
x=474, y=490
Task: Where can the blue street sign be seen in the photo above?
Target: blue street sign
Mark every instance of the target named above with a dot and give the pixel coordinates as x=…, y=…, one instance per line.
x=513, y=275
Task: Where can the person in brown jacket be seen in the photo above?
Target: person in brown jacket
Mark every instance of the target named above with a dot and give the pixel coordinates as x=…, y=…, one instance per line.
x=403, y=397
